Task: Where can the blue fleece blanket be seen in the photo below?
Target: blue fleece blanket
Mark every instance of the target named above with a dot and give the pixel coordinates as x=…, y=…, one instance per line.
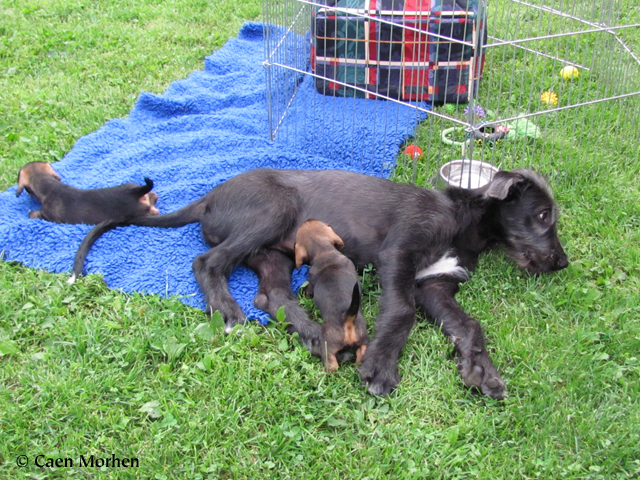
x=202, y=131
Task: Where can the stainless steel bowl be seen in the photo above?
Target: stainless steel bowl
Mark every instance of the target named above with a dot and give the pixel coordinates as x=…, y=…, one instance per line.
x=465, y=174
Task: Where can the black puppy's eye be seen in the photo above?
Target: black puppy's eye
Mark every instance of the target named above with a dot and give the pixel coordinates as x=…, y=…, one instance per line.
x=543, y=215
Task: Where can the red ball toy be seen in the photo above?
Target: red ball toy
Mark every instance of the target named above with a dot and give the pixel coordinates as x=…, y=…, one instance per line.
x=413, y=151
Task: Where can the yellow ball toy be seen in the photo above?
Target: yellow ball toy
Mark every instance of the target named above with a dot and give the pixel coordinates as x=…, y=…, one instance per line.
x=569, y=72
x=550, y=98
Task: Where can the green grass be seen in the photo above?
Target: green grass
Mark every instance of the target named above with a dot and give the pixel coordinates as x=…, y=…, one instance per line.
x=86, y=370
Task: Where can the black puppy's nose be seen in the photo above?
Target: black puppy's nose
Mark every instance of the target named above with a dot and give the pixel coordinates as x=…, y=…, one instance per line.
x=562, y=262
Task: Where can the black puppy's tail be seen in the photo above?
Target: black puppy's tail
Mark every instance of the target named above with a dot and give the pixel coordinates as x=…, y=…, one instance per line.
x=190, y=214
x=83, y=250
x=144, y=189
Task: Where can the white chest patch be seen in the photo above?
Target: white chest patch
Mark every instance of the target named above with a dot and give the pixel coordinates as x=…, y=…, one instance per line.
x=446, y=266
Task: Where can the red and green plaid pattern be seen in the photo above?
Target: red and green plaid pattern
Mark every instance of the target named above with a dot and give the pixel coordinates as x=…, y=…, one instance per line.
x=404, y=49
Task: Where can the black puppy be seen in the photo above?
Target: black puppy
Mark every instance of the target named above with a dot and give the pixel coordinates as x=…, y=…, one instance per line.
x=334, y=286
x=422, y=243
x=65, y=204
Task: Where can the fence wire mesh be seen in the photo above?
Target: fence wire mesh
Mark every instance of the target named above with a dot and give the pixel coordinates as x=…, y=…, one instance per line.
x=554, y=72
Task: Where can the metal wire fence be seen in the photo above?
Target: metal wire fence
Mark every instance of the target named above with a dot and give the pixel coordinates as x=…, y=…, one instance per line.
x=507, y=83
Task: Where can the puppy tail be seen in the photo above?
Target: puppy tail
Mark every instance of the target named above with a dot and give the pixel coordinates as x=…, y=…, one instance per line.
x=192, y=213
x=144, y=189
x=95, y=233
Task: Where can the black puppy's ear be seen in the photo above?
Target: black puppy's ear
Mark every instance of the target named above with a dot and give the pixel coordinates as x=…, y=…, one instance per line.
x=337, y=241
x=333, y=237
x=503, y=184
x=352, y=311
x=301, y=254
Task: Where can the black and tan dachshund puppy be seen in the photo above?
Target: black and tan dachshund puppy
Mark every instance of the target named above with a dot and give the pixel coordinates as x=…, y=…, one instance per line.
x=334, y=286
x=66, y=204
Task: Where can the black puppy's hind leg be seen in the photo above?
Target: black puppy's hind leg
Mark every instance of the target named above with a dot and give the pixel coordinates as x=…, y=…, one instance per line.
x=211, y=270
x=274, y=270
x=262, y=212
x=437, y=298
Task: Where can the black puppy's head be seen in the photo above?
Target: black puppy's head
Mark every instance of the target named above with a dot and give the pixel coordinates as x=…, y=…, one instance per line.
x=527, y=216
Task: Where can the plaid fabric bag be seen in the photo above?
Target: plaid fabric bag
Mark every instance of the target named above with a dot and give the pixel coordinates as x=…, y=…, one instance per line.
x=403, y=49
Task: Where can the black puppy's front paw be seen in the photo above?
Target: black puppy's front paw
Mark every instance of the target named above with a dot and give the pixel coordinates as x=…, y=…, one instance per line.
x=477, y=371
x=380, y=379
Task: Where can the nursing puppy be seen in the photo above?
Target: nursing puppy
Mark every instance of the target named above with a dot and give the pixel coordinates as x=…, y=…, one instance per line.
x=333, y=284
x=65, y=204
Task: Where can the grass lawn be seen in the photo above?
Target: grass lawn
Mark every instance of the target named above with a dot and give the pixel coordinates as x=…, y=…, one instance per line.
x=85, y=370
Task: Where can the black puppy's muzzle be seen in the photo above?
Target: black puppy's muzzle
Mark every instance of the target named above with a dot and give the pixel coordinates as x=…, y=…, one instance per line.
x=545, y=264
x=560, y=261
x=557, y=260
